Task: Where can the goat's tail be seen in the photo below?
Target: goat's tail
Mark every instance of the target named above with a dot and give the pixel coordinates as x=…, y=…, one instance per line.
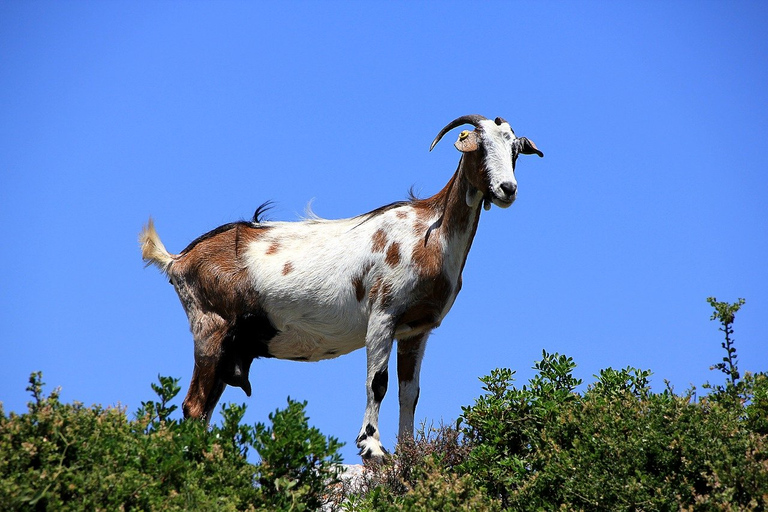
x=152, y=249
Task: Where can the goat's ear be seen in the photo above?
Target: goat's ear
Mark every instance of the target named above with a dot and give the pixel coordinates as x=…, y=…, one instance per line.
x=468, y=141
x=527, y=147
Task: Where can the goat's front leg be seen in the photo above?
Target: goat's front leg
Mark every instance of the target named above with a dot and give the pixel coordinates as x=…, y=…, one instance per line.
x=410, y=352
x=378, y=345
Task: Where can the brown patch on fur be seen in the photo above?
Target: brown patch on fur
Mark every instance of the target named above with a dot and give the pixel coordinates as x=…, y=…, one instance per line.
x=359, y=288
x=386, y=297
x=374, y=293
x=379, y=241
x=420, y=228
x=427, y=255
x=393, y=254
x=381, y=292
x=358, y=283
x=407, y=353
x=287, y=268
x=401, y=215
x=212, y=272
x=273, y=248
x=430, y=299
x=427, y=252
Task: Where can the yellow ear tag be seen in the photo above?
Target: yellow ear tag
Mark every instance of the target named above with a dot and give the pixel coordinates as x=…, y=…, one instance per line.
x=463, y=135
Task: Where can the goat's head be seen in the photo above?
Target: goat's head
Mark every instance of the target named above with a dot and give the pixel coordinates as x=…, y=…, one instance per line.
x=494, y=148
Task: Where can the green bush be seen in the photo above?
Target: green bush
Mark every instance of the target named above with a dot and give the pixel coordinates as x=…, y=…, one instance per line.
x=617, y=445
x=620, y=446
x=548, y=445
x=70, y=457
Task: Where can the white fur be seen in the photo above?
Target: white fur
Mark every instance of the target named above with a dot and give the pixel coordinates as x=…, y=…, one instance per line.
x=497, y=140
x=314, y=306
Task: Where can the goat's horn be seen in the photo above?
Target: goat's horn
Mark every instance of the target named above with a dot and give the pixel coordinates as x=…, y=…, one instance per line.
x=473, y=119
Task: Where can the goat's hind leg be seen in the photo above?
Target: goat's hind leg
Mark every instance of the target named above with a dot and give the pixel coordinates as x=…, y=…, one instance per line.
x=206, y=387
x=410, y=352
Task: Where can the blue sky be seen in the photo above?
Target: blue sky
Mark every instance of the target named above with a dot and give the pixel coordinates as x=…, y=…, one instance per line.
x=650, y=198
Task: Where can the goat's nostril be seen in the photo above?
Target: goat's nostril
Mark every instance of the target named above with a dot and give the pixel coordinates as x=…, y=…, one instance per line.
x=508, y=188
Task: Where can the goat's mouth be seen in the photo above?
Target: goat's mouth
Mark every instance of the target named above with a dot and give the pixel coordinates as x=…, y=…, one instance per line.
x=501, y=202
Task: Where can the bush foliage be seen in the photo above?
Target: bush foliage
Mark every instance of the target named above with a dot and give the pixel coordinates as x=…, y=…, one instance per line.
x=618, y=445
x=547, y=445
x=69, y=457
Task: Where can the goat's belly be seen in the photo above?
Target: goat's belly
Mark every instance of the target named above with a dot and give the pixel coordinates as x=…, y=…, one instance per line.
x=310, y=329
x=298, y=345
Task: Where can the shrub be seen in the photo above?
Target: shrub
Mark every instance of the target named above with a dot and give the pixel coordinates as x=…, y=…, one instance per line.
x=298, y=463
x=70, y=457
x=618, y=445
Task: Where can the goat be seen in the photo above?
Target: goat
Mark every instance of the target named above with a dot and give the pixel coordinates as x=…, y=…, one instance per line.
x=317, y=289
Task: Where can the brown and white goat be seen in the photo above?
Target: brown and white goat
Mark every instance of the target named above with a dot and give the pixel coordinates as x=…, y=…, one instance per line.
x=317, y=289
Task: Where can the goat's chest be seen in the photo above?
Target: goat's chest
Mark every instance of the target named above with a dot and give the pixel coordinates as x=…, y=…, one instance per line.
x=432, y=297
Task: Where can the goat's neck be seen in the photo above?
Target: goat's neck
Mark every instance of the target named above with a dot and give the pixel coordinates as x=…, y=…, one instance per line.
x=457, y=221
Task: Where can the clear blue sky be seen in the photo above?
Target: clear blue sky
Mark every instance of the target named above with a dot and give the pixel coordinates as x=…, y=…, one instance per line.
x=653, y=118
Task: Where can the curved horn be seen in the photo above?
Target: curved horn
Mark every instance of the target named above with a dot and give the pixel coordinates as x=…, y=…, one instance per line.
x=473, y=119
